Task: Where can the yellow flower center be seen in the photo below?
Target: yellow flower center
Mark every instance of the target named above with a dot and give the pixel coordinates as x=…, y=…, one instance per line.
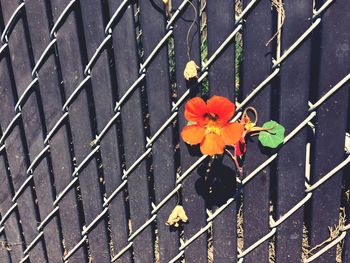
x=213, y=127
x=213, y=124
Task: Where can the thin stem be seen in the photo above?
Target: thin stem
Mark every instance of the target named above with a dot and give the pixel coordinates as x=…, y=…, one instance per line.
x=178, y=197
x=189, y=30
x=254, y=134
x=254, y=111
x=234, y=158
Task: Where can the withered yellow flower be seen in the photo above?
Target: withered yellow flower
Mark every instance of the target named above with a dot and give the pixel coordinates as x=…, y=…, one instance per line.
x=191, y=70
x=168, y=8
x=177, y=215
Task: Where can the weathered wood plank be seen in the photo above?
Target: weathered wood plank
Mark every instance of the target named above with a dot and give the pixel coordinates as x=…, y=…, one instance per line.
x=51, y=96
x=126, y=66
x=220, y=24
x=36, y=14
x=4, y=252
x=346, y=248
x=294, y=92
x=333, y=56
x=11, y=225
x=105, y=89
x=256, y=66
x=21, y=150
x=159, y=92
x=70, y=40
x=192, y=201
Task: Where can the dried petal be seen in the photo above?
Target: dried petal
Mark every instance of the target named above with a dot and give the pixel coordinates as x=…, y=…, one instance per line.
x=177, y=215
x=191, y=70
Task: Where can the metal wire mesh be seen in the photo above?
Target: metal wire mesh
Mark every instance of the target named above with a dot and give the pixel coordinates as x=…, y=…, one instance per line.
x=181, y=177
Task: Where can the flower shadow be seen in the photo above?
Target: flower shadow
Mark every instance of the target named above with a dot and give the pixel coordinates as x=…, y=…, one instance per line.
x=217, y=182
x=193, y=150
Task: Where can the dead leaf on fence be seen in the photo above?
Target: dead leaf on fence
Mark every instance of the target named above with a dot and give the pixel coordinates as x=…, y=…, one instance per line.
x=177, y=216
x=168, y=7
x=191, y=70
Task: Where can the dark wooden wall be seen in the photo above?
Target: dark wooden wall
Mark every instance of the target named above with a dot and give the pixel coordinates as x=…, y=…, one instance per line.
x=92, y=98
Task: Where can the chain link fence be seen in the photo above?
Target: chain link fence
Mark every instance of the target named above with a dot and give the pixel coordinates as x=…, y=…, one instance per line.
x=92, y=104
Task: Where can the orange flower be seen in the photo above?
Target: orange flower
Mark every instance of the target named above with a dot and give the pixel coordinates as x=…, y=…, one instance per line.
x=212, y=128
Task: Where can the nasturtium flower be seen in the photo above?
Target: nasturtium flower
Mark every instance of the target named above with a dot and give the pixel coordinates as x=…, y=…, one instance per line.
x=212, y=128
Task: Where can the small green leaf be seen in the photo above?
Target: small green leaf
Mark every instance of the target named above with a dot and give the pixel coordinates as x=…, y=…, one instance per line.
x=274, y=136
x=190, y=123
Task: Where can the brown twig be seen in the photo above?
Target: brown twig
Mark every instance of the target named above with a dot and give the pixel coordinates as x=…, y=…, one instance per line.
x=278, y=4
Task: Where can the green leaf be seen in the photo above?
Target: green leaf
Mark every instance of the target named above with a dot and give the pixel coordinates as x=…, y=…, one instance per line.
x=191, y=123
x=274, y=136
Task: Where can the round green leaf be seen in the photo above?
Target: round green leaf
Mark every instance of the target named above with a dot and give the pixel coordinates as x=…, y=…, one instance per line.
x=273, y=137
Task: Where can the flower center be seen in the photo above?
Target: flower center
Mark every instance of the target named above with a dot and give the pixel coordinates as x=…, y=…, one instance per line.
x=213, y=124
x=211, y=116
x=213, y=129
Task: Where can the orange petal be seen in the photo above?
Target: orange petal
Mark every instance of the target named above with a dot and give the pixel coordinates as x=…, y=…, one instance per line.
x=222, y=107
x=195, y=109
x=212, y=144
x=193, y=134
x=232, y=133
